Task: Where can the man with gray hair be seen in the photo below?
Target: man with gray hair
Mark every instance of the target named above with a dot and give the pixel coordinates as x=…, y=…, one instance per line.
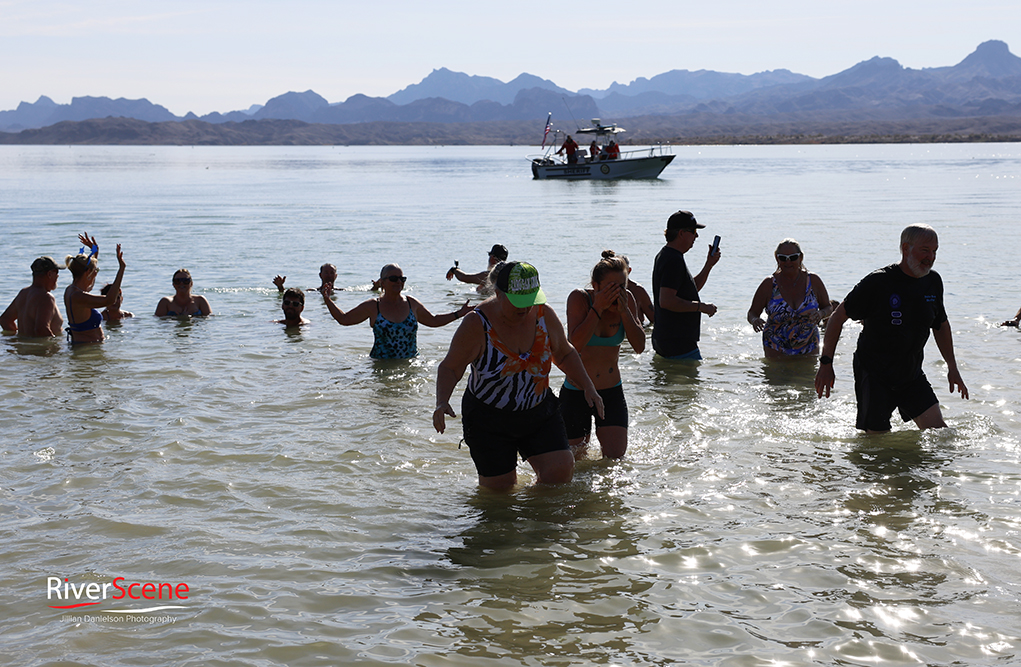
x=897, y=305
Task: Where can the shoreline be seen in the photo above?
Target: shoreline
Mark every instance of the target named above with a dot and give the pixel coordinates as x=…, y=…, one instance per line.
x=644, y=131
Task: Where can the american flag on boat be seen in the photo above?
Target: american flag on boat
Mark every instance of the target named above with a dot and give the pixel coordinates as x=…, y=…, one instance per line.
x=549, y=124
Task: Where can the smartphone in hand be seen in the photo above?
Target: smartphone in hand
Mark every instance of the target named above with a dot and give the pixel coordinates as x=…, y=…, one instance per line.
x=716, y=244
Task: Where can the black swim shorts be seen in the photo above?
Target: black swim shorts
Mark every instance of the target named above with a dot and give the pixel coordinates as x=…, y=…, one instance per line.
x=877, y=398
x=578, y=415
x=496, y=437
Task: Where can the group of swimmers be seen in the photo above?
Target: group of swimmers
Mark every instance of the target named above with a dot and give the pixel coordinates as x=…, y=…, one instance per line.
x=511, y=339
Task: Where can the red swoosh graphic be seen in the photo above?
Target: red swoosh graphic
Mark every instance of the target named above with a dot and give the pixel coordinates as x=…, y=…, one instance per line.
x=83, y=604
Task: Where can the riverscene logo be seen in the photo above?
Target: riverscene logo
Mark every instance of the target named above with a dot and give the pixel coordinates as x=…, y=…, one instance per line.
x=75, y=596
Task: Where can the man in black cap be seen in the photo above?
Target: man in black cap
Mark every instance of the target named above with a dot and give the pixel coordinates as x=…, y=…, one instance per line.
x=675, y=292
x=34, y=311
x=496, y=255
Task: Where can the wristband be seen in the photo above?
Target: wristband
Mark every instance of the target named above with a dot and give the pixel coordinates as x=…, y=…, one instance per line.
x=825, y=360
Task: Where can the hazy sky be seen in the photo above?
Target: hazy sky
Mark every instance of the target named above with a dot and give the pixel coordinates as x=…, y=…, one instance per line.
x=221, y=55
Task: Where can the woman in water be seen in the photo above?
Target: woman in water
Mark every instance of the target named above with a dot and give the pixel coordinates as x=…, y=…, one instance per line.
x=393, y=316
x=511, y=339
x=791, y=297
x=598, y=320
x=113, y=312
x=84, y=321
x=183, y=303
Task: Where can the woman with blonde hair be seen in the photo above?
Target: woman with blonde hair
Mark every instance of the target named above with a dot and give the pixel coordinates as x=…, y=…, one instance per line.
x=795, y=301
x=84, y=320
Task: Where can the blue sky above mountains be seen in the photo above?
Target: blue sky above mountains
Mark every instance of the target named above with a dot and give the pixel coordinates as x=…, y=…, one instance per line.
x=223, y=54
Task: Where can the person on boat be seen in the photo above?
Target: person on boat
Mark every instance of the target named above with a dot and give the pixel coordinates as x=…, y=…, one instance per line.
x=612, y=151
x=33, y=312
x=393, y=316
x=645, y=307
x=113, y=312
x=598, y=320
x=84, y=321
x=571, y=148
x=498, y=253
x=183, y=303
x=675, y=292
x=508, y=410
x=327, y=276
x=293, y=304
x=795, y=301
x=898, y=305
x=593, y=151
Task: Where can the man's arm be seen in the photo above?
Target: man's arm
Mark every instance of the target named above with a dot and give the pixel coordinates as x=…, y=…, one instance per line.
x=9, y=319
x=824, y=377
x=945, y=342
x=473, y=278
x=669, y=300
x=710, y=262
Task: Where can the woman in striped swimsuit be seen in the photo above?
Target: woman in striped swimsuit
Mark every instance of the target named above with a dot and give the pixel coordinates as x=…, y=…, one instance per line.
x=510, y=340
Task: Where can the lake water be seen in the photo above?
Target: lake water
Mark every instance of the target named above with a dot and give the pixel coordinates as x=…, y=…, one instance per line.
x=298, y=490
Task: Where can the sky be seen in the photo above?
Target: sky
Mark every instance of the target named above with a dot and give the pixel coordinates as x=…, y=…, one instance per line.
x=225, y=55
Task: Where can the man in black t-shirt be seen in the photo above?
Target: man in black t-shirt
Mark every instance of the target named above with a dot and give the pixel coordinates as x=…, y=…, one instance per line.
x=675, y=298
x=897, y=305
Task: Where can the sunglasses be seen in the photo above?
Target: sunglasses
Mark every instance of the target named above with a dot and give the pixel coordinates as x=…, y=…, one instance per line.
x=182, y=281
x=288, y=302
x=788, y=258
x=397, y=279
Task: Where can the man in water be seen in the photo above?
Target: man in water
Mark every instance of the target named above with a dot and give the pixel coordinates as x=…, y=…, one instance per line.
x=293, y=304
x=678, y=309
x=327, y=276
x=897, y=306
x=34, y=311
x=497, y=254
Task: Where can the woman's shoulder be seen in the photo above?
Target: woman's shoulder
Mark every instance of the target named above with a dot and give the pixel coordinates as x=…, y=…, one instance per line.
x=579, y=294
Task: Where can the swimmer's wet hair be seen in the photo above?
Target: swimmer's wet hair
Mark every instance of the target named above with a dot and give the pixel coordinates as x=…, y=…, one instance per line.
x=79, y=264
x=494, y=272
x=610, y=262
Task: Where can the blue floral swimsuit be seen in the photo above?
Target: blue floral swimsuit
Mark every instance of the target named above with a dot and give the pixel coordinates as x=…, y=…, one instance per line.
x=792, y=330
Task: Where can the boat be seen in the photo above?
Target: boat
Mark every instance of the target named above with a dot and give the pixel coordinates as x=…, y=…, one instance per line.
x=639, y=163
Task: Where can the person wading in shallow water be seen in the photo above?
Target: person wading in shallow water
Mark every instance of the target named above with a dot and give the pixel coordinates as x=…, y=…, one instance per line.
x=511, y=340
x=897, y=305
x=393, y=316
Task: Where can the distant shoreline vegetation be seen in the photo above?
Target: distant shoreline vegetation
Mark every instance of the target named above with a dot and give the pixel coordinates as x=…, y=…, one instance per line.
x=649, y=130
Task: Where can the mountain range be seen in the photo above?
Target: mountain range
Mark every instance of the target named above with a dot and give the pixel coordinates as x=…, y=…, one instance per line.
x=986, y=83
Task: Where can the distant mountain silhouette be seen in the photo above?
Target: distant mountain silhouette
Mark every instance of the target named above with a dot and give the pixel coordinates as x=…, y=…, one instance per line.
x=460, y=87
x=987, y=83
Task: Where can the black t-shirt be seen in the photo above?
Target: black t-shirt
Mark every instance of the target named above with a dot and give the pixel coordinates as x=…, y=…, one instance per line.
x=897, y=313
x=674, y=333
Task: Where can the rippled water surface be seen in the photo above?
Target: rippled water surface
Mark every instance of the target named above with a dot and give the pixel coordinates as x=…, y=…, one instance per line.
x=298, y=490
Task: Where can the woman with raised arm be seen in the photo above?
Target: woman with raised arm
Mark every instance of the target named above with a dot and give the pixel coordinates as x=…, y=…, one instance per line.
x=393, y=316
x=84, y=320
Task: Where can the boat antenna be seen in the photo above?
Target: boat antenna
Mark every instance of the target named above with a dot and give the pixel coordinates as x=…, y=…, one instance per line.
x=570, y=112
